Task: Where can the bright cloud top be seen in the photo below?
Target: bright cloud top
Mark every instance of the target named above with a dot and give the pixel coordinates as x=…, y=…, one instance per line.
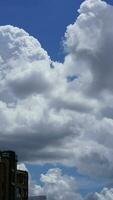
x=105, y=194
x=55, y=185
x=46, y=116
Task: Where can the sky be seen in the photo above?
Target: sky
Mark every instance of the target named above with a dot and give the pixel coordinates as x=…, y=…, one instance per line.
x=31, y=16
x=56, y=94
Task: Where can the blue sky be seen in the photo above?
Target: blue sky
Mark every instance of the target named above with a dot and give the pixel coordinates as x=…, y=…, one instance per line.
x=47, y=22
x=86, y=184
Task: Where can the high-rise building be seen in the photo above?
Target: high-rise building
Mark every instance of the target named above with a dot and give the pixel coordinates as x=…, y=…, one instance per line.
x=13, y=182
x=22, y=185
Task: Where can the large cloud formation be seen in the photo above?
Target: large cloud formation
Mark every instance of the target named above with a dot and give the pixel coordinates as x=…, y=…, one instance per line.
x=48, y=117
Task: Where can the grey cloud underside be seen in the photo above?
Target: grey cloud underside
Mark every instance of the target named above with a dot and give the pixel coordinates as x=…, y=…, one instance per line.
x=46, y=118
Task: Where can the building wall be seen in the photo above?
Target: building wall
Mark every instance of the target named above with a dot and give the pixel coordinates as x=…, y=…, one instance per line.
x=2, y=181
x=22, y=185
x=13, y=182
x=10, y=178
x=10, y=164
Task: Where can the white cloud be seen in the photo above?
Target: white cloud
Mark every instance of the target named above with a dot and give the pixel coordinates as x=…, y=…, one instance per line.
x=49, y=118
x=89, y=42
x=55, y=185
x=105, y=194
x=58, y=186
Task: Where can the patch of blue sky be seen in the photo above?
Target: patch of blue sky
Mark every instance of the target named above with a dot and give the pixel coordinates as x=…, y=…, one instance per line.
x=45, y=21
x=85, y=184
x=71, y=78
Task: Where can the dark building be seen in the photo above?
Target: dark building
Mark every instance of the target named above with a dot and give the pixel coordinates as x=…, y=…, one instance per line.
x=13, y=182
x=22, y=185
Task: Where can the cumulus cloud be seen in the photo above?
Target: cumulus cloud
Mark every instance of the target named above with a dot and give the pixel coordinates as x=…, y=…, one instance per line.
x=89, y=42
x=22, y=64
x=89, y=45
x=55, y=185
x=51, y=119
x=58, y=186
x=105, y=194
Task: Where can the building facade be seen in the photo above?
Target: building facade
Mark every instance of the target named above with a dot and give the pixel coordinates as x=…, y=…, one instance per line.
x=22, y=185
x=13, y=182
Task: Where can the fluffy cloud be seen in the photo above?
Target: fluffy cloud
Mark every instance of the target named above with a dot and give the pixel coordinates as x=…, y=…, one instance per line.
x=55, y=185
x=23, y=63
x=58, y=186
x=105, y=194
x=89, y=47
x=26, y=86
x=46, y=116
x=89, y=42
